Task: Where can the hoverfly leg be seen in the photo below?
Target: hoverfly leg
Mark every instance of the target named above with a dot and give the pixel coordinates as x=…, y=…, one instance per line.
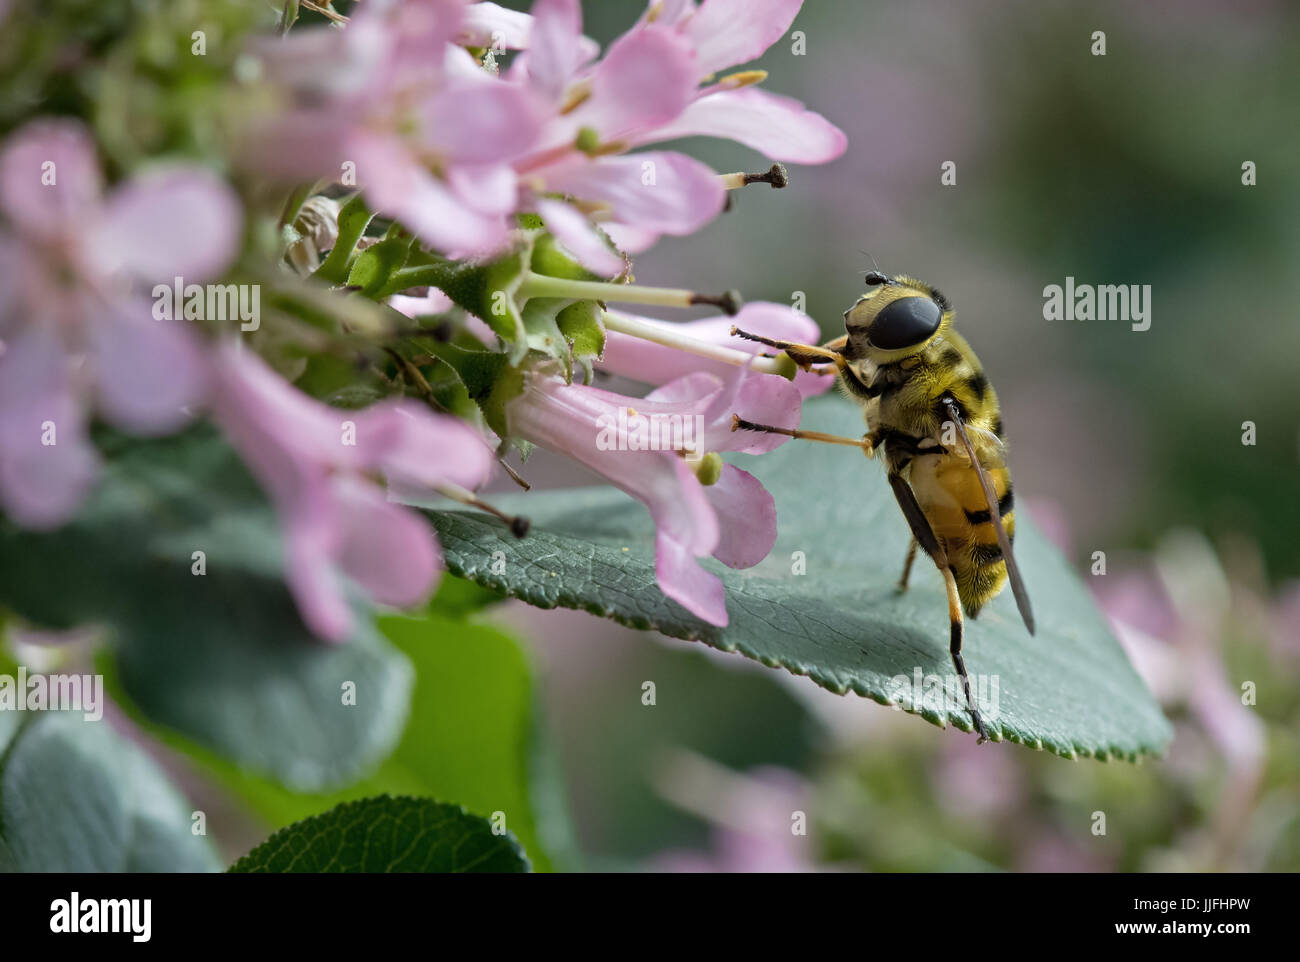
x=954, y=648
x=804, y=355
x=740, y=424
x=923, y=535
x=907, y=566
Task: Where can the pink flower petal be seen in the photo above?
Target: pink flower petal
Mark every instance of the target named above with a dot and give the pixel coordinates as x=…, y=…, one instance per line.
x=553, y=46
x=575, y=232
x=434, y=302
x=656, y=190
x=311, y=540
x=730, y=32
x=778, y=127
x=682, y=579
x=482, y=121
x=147, y=371
x=398, y=185
x=285, y=437
x=297, y=143
x=746, y=518
x=630, y=239
x=183, y=222
x=762, y=398
x=567, y=419
x=646, y=78
x=391, y=551
x=488, y=23
x=421, y=448
x=41, y=484
x=31, y=202
x=678, y=545
x=488, y=188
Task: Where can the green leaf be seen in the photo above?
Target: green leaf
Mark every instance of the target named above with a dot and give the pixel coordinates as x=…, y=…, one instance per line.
x=1070, y=690
x=375, y=265
x=387, y=834
x=354, y=218
x=222, y=657
x=581, y=325
x=472, y=736
x=544, y=336
x=76, y=797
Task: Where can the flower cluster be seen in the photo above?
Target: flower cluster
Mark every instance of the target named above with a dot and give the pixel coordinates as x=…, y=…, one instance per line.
x=462, y=184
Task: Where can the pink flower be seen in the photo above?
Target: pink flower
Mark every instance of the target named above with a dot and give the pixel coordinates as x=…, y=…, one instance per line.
x=646, y=90
x=75, y=326
x=316, y=462
x=733, y=519
x=656, y=364
x=394, y=97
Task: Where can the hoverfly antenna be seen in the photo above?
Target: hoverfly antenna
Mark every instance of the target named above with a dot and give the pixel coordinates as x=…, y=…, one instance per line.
x=874, y=276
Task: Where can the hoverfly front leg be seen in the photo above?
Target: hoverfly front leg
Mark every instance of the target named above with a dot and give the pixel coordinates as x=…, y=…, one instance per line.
x=924, y=535
x=805, y=355
x=867, y=444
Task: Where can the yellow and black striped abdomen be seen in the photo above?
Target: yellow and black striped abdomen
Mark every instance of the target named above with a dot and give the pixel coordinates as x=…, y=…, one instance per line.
x=952, y=499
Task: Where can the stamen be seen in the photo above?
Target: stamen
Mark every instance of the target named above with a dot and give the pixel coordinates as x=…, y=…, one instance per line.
x=729, y=301
x=577, y=94
x=742, y=78
x=519, y=525
x=776, y=175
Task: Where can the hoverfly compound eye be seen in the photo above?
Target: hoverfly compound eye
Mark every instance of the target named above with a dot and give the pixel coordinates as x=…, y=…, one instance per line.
x=874, y=278
x=905, y=322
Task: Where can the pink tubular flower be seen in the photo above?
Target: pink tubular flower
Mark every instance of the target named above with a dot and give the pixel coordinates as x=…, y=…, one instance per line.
x=315, y=461
x=646, y=90
x=393, y=96
x=733, y=519
x=74, y=323
x=653, y=363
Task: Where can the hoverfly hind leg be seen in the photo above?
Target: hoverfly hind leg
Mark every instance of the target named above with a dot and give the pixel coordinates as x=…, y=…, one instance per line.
x=957, y=629
x=923, y=535
x=907, y=566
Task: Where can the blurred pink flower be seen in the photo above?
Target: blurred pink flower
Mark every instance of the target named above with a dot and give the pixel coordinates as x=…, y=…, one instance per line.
x=752, y=817
x=75, y=325
x=317, y=462
x=453, y=150
x=657, y=364
x=733, y=519
x=430, y=133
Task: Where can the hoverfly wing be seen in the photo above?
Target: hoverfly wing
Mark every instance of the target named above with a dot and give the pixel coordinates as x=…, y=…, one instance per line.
x=990, y=499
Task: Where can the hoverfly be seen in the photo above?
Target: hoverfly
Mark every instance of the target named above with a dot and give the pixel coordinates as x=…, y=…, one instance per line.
x=933, y=414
